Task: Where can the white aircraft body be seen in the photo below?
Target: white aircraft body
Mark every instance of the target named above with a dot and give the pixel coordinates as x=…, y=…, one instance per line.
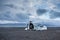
x=38, y=28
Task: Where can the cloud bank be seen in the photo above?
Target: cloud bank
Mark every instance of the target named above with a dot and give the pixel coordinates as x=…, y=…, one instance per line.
x=25, y=10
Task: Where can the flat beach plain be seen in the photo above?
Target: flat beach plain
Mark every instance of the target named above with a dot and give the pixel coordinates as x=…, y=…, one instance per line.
x=18, y=33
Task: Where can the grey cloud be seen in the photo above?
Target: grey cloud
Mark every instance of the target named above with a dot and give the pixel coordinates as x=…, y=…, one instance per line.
x=5, y=16
x=41, y=11
x=14, y=6
x=14, y=17
x=54, y=14
x=22, y=17
x=56, y=3
x=10, y=5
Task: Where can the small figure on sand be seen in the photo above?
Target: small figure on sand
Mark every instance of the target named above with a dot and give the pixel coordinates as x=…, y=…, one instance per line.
x=31, y=26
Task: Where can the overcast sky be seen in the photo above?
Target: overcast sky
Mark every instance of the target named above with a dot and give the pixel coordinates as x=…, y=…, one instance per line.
x=25, y=10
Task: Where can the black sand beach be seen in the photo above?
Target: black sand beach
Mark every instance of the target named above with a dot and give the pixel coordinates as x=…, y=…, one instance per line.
x=16, y=33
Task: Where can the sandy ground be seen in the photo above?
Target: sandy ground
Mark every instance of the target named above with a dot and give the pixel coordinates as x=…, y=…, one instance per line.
x=21, y=34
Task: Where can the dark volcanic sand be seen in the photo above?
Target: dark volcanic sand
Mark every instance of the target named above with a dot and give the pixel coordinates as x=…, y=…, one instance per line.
x=21, y=34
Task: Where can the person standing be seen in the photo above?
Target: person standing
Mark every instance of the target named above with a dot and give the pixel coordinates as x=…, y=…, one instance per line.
x=31, y=26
